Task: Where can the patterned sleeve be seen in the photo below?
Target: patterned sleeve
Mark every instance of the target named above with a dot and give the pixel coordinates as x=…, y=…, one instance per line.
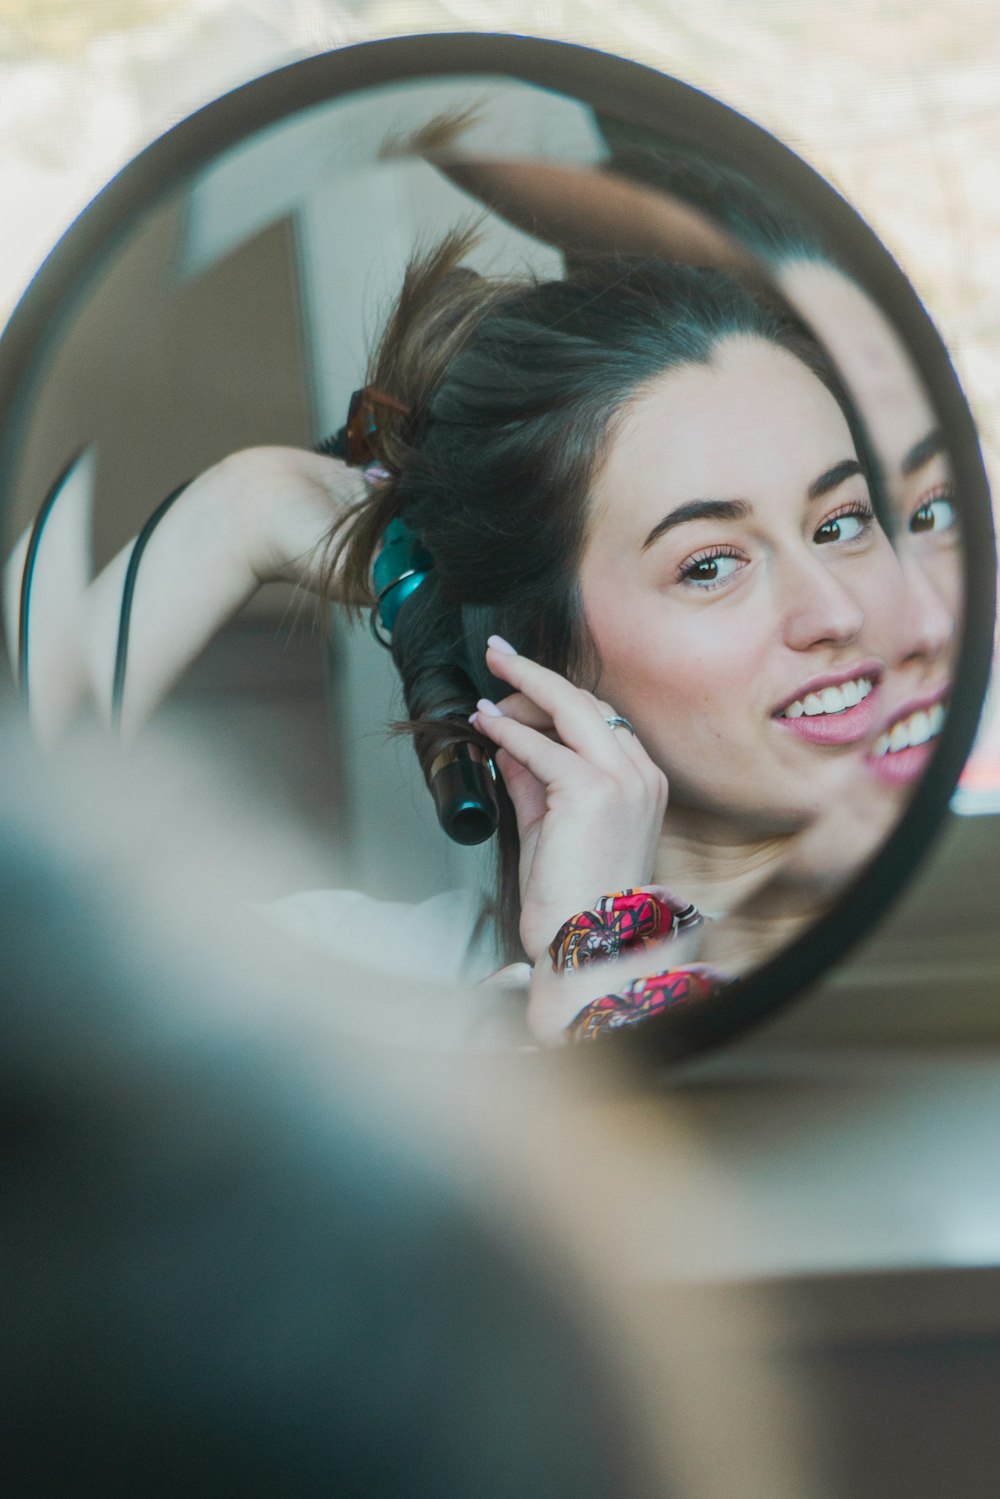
x=645, y=997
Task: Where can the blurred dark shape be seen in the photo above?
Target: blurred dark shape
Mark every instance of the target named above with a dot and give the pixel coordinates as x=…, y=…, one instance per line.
x=221, y=1276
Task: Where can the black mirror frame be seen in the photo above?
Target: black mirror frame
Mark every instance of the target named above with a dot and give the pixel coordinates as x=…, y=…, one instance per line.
x=643, y=97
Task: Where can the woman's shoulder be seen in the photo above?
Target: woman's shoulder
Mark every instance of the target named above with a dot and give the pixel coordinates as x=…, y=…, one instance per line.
x=440, y=948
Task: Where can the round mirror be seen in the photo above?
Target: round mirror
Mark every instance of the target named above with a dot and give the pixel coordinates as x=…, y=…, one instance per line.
x=626, y=469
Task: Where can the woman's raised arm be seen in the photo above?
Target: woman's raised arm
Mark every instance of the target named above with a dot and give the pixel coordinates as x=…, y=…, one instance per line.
x=260, y=515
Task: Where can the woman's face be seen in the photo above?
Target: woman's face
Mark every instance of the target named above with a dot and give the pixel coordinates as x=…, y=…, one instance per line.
x=904, y=430
x=749, y=612
x=926, y=541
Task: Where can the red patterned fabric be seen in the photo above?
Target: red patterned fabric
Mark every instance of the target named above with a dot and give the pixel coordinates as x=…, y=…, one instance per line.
x=640, y=1000
x=620, y=921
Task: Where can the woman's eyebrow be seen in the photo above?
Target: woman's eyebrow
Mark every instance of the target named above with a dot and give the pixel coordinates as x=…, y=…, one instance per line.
x=846, y=469
x=741, y=509
x=699, y=510
x=922, y=452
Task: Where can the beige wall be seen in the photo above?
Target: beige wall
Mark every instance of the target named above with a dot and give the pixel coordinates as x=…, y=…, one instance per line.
x=165, y=376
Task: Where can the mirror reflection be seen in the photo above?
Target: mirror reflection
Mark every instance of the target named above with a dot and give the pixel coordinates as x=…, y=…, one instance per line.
x=621, y=497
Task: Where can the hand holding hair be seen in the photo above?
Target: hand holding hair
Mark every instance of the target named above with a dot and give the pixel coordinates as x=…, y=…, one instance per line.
x=589, y=801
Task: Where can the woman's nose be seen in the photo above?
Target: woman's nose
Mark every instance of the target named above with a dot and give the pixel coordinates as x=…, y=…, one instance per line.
x=927, y=625
x=818, y=608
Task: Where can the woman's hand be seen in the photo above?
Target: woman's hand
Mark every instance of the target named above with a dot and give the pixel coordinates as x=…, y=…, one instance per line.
x=589, y=801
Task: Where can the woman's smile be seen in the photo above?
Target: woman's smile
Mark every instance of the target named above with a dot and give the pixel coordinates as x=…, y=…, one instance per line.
x=903, y=747
x=840, y=708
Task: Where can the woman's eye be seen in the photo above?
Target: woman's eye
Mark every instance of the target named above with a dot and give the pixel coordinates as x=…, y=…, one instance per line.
x=706, y=571
x=936, y=514
x=844, y=527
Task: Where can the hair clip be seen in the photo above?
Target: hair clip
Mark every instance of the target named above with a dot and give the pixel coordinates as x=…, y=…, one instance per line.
x=362, y=422
x=398, y=571
x=353, y=442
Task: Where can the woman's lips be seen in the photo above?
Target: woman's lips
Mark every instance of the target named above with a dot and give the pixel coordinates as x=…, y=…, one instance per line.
x=900, y=754
x=826, y=712
x=902, y=767
x=847, y=727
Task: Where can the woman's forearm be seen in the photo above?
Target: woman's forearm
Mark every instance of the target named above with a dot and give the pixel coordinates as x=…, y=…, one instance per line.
x=192, y=579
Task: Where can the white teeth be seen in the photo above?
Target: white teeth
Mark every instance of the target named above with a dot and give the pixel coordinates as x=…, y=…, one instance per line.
x=920, y=728
x=830, y=699
x=921, y=725
x=899, y=737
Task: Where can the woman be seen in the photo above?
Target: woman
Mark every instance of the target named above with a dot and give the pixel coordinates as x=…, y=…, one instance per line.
x=649, y=480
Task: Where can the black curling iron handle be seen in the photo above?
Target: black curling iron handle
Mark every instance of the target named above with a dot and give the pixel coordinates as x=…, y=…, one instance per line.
x=462, y=782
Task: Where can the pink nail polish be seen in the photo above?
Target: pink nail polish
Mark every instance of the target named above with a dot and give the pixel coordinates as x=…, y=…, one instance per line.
x=503, y=646
x=488, y=709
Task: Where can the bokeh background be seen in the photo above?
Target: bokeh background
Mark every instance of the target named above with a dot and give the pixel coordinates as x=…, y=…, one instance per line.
x=897, y=102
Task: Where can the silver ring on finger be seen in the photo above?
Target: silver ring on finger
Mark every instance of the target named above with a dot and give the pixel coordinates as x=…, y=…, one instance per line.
x=617, y=721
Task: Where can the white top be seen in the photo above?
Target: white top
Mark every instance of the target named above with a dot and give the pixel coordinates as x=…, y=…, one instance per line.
x=431, y=942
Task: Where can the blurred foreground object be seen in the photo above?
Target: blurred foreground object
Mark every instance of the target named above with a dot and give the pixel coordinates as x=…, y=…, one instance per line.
x=224, y=1270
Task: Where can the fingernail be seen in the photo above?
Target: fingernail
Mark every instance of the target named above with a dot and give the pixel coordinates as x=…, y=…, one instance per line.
x=503, y=646
x=488, y=709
